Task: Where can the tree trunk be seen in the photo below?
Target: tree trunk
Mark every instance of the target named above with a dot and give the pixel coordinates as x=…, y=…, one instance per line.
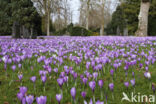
x=16, y=30
x=102, y=30
x=143, y=19
x=102, y=18
x=48, y=23
x=87, y=21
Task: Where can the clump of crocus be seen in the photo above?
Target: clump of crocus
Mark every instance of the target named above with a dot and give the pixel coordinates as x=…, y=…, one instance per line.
x=112, y=72
x=99, y=102
x=133, y=74
x=29, y=99
x=55, y=70
x=73, y=93
x=85, y=80
x=92, y=85
x=83, y=94
x=95, y=75
x=23, y=90
x=33, y=79
x=41, y=100
x=20, y=96
x=22, y=93
x=148, y=76
x=58, y=98
x=126, y=84
x=44, y=78
x=20, y=76
x=153, y=87
x=133, y=83
x=60, y=82
x=111, y=87
x=100, y=83
x=13, y=67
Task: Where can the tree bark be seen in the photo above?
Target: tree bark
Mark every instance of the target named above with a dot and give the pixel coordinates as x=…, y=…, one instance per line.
x=16, y=30
x=48, y=24
x=87, y=24
x=143, y=19
x=103, y=18
x=102, y=30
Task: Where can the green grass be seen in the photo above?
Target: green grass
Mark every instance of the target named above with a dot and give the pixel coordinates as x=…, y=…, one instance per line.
x=9, y=90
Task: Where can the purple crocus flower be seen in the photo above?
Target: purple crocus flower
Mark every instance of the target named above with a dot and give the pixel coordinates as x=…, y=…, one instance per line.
x=95, y=75
x=23, y=90
x=83, y=94
x=126, y=84
x=153, y=88
x=33, y=79
x=133, y=82
x=41, y=72
x=20, y=76
x=147, y=75
x=13, y=67
x=43, y=78
x=91, y=101
x=60, y=81
x=20, y=96
x=92, y=85
x=140, y=65
x=146, y=68
x=58, y=98
x=99, y=102
x=29, y=99
x=24, y=100
x=41, y=100
x=85, y=80
x=100, y=83
x=73, y=92
x=19, y=65
x=62, y=74
x=111, y=86
x=133, y=74
x=56, y=70
x=75, y=75
x=65, y=78
x=111, y=72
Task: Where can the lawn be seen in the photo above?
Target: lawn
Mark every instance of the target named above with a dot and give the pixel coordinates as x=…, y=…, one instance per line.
x=78, y=70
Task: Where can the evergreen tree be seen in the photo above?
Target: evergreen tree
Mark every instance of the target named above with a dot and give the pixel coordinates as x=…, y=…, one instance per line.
x=26, y=20
x=5, y=17
x=130, y=10
x=20, y=18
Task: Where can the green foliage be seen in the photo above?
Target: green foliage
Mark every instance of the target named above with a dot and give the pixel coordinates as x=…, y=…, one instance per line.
x=74, y=31
x=80, y=31
x=70, y=27
x=61, y=32
x=126, y=14
x=152, y=19
x=21, y=11
x=5, y=26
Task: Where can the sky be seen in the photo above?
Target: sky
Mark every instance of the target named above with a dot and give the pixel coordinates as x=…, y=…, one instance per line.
x=75, y=4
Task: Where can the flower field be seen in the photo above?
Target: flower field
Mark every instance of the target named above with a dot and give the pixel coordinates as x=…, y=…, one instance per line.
x=77, y=70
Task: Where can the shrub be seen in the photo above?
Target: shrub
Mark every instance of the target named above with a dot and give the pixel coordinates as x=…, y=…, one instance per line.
x=80, y=31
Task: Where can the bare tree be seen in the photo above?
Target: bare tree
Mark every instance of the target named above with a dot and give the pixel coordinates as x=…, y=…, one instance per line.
x=45, y=8
x=143, y=18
